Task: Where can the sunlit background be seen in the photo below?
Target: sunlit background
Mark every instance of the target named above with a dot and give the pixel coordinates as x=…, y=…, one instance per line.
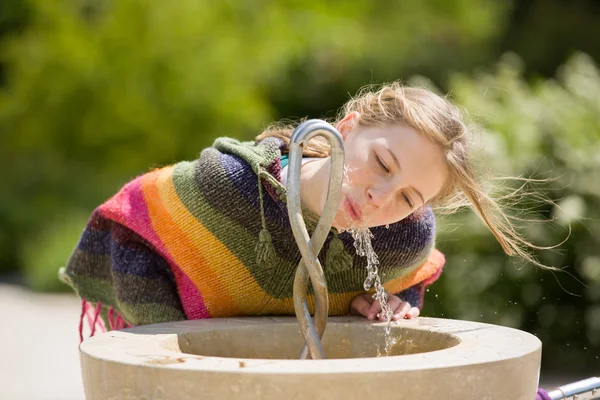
x=96, y=92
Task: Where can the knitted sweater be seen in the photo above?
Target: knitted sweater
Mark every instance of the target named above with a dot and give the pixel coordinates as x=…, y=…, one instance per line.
x=212, y=238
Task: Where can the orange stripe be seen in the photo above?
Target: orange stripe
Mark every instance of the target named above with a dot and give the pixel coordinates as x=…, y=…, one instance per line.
x=185, y=253
x=221, y=278
x=434, y=262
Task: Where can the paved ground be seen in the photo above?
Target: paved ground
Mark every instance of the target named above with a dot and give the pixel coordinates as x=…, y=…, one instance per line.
x=39, y=359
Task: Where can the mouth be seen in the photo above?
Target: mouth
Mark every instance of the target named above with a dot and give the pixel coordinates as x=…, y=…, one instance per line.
x=352, y=209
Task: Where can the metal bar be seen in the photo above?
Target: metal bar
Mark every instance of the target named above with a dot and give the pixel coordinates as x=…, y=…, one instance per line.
x=309, y=266
x=586, y=389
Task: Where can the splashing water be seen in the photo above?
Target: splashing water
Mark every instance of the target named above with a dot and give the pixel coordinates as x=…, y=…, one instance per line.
x=362, y=243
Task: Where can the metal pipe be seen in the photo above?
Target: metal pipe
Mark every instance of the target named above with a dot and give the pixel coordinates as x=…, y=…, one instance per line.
x=309, y=266
x=586, y=389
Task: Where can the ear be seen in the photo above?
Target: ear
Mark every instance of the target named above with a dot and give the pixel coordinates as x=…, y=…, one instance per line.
x=347, y=124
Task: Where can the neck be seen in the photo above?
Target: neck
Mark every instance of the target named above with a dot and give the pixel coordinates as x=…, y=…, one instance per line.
x=314, y=179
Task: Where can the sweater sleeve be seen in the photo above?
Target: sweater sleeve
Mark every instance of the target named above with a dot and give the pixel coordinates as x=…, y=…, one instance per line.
x=115, y=269
x=415, y=294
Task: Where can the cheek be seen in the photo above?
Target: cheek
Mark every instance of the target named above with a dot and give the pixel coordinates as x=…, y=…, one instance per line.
x=356, y=172
x=392, y=215
x=351, y=176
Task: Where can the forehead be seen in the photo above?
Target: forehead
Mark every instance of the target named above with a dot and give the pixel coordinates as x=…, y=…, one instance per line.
x=395, y=135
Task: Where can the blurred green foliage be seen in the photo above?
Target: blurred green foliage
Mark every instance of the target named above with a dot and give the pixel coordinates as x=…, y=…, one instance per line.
x=99, y=91
x=549, y=130
x=95, y=92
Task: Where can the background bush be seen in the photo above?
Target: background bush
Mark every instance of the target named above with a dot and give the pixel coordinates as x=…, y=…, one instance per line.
x=95, y=92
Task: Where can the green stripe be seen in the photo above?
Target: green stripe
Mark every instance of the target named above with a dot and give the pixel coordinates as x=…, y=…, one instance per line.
x=150, y=313
x=241, y=242
x=94, y=290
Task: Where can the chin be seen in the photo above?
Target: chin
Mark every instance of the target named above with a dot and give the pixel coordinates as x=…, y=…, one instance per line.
x=350, y=225
x=340, y=222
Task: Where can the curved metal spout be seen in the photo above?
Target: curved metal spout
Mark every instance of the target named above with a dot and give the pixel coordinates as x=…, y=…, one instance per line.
x=309, y=247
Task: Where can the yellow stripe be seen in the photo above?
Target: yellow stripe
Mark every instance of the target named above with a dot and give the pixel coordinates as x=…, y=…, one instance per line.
x=227, y=286
x=181, y=245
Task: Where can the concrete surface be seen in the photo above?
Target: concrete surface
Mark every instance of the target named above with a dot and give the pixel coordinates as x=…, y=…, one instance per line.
x=433, y=359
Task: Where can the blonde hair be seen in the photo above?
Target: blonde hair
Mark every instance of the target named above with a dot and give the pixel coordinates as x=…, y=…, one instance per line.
x=442, y=122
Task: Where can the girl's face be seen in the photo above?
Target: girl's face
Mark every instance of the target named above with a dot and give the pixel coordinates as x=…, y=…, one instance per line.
x=391, y=172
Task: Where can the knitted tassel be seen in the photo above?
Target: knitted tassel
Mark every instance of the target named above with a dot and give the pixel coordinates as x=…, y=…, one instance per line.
x=337, y=259
x=265, y=251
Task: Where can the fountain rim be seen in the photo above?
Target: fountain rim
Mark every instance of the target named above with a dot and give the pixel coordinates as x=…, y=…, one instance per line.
x=142, y=346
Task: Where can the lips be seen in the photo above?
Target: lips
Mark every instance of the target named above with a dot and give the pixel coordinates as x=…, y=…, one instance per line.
x=352, y=209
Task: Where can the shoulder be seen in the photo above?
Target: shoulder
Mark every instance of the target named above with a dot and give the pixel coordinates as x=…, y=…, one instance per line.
x=415, y=233
x=256, y=153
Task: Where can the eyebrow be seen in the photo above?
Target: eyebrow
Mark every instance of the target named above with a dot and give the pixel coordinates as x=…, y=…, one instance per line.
x=400, y=169
x=394, y=158
x=420, y=195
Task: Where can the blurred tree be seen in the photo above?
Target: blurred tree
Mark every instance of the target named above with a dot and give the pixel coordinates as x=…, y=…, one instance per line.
x=394, y=40
x=544, y=33
x=99, y=91
x=14, y=15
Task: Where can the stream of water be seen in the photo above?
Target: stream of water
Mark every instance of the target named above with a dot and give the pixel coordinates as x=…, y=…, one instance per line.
x=362, y=243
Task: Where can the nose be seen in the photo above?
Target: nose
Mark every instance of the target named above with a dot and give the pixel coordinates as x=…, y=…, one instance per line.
x=379, y=195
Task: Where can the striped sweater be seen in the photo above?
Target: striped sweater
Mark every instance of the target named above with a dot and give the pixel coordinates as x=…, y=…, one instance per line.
x=192, y=241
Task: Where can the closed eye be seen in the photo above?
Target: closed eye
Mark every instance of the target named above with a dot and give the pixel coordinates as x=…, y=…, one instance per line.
x=407, y=199
x=382, y=164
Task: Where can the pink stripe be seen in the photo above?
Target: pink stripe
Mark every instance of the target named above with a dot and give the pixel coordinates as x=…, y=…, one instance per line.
x=83, y=312
x=128, y=207
x=96, y=315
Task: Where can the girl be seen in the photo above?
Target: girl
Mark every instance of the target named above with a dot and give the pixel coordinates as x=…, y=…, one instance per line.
x=211, y=238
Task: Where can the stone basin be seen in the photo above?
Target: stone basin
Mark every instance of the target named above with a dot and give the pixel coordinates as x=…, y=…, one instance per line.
x=256, y=358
